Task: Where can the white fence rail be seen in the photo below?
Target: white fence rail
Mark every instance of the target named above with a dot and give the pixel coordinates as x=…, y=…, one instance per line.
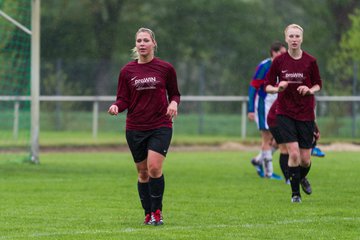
x=96, y=99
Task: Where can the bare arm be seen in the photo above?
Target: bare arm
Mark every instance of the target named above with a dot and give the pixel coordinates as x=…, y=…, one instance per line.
x=281, y=87
x=304, y=90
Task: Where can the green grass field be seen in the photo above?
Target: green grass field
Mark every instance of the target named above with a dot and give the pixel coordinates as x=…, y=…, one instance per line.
x=209, y=195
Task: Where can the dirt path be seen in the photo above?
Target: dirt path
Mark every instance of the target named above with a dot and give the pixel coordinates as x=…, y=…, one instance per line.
x=233, y=146
x=228, y=146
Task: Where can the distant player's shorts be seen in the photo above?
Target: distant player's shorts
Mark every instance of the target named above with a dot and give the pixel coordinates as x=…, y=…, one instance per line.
x=292, y=130
x=157, y=140
x=275, y=132
x=262, y=107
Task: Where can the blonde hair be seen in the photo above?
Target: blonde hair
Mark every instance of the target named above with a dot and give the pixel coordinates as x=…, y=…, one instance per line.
x=135, y=54
x=293, y=26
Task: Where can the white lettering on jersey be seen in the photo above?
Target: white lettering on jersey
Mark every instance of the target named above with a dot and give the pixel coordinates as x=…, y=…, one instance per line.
x=144, y=83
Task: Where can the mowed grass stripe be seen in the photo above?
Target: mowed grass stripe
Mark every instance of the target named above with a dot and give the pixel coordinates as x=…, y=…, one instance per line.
x=208, y=195
x=160, y=229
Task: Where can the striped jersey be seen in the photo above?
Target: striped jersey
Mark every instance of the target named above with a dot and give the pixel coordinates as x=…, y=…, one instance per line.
x=257, y=83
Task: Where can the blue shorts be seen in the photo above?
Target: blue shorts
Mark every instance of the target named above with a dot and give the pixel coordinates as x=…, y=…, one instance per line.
x=262, y=108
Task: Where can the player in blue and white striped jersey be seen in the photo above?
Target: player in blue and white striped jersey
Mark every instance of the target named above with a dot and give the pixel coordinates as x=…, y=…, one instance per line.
x=259, y=105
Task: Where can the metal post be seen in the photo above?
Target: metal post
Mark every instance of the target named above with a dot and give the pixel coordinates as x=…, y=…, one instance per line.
x=35, y=80
x=200, y=104
x=16, y=120
x=95, y=119
x=58, y=121
x=354, y=104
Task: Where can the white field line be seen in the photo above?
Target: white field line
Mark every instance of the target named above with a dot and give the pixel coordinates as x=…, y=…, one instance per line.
x=169, y=228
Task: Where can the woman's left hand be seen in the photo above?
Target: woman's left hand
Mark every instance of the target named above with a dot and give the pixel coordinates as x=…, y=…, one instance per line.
x=304, y=90
x=172, y=110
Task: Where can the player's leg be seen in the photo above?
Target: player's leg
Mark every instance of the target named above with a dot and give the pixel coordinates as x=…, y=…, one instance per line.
x=257, y=160
x=274, y=145
x=266, y=152
x=294, y=170
x=283, y=161
x=306, y=130
x=284, y=156
x=266, y=135
x=288, y=131
x=158, y=147
x=304, y=170
x=143, y=189
x=137, y=142
x=157, y=185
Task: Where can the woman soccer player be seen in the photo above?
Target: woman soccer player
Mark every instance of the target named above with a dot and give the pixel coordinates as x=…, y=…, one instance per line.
x=148, y=89
x=258, y=108
x=299, y=79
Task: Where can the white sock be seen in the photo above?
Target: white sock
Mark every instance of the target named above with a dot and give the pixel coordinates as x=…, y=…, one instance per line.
x=259, y=158
x=268, y=165
x=267, y=154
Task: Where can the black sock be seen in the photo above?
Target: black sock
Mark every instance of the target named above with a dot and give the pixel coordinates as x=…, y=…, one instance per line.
x=304, y=171
x=157, y=186
x=144, y=194
x=284, y=165
x=294, y=174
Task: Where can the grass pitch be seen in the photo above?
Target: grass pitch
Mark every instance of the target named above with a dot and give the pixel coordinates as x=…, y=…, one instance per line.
x=208, y=195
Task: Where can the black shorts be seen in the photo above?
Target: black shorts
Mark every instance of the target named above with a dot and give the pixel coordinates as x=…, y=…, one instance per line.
x=140, y=142
x=275, y=132
x=292, y=130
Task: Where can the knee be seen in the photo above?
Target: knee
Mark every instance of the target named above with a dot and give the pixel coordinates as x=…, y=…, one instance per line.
x=305, y=162
x=143, y=175
x=295, y=155
x=155, y=171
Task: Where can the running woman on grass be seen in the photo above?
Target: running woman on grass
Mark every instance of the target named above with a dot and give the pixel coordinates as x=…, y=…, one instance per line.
x=299, y=79
x=284, y=156
x=258, y=108
x=148, y=89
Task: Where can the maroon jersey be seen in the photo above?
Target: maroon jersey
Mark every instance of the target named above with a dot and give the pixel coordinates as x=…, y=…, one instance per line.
x=271, y=117
x=303, y=71
x=145, y=90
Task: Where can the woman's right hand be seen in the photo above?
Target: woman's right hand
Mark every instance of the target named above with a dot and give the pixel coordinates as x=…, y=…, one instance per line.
x=282, y=86
x=113, y=110
x=251, y=116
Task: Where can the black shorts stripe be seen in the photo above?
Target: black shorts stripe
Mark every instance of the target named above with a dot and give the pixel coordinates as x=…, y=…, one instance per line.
x=292, y=130
x=140, y=142
x=275, y=132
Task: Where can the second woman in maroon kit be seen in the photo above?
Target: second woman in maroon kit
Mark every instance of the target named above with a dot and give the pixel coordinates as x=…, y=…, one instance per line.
x=299, y=79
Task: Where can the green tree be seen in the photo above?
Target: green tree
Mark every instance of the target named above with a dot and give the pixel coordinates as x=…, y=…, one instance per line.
x=348, y=54
x=218, y=42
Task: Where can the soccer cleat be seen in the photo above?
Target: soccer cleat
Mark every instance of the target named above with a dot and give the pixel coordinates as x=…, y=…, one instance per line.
x=305, y=185
x=156, y=218
x=275, y=176
x=287, y=181
x=315, y=151
x=296, y=199
x=258, y=166
x=147, y=220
